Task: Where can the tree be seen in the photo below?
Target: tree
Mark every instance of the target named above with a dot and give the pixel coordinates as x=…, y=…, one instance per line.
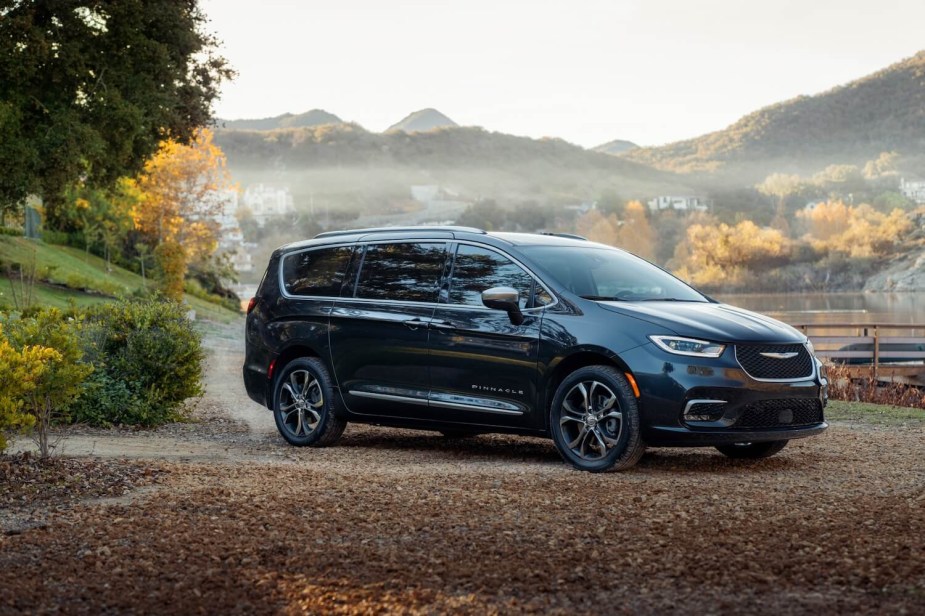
x=180, y=193
x=89, y=89
x=782, y=186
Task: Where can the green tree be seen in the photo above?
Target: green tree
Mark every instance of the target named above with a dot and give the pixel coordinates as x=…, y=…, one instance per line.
x=89, y=89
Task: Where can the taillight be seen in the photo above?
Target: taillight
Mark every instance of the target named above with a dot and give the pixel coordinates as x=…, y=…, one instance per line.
x=251, y=304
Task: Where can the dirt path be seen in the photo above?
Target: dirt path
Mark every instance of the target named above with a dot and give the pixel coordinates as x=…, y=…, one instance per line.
x=406, y=522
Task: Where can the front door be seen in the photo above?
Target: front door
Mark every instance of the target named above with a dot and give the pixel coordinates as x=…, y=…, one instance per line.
x=379, y=332
x=482, y=366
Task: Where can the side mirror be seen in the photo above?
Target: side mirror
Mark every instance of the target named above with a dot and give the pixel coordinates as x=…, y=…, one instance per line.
x=506, y=299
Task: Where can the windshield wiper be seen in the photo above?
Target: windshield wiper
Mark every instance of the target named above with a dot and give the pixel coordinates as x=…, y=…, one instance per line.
x=601, y=298
x=670, y=299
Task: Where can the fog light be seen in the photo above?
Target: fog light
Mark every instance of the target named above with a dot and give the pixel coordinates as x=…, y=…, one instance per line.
x=704, y=410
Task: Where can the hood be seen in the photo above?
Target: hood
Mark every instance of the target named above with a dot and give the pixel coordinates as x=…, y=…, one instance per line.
x=714, y=322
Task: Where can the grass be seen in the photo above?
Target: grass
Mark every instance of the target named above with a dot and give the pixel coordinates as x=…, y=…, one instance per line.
x=875, y=414
x=64, y=263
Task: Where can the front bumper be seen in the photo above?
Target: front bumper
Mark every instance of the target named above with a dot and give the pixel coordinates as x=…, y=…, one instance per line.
x=698, y=402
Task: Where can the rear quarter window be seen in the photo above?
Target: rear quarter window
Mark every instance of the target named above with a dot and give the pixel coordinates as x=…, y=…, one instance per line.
x=316, y=273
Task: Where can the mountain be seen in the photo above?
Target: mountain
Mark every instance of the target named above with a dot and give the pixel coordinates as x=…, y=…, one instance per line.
x=849, y=124
x=315, y=117
x=346, y=159
x=422, y=121
x=617, y=146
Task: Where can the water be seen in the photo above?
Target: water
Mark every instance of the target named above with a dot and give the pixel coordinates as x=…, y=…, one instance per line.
x=834, y=308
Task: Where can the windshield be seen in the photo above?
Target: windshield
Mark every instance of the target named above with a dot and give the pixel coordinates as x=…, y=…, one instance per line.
x=600, y=273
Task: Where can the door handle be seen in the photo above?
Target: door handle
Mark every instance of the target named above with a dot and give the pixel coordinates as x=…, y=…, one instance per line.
x=442, y=325
x=415, y=323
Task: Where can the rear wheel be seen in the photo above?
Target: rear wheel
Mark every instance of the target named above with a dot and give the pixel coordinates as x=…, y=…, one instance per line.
x=303, y=404
x=751, y=451
x=594, y=420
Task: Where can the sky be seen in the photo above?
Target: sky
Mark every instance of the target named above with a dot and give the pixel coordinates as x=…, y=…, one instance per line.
x=587, y=71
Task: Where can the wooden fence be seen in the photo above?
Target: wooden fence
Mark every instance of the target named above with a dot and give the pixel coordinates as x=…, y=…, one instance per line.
x=888, y=351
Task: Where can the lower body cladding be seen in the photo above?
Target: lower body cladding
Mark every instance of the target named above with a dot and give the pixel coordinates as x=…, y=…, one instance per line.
x=694, y=402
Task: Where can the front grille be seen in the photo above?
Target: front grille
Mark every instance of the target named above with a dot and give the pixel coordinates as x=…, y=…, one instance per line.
x=759, y=366
x=785, y=413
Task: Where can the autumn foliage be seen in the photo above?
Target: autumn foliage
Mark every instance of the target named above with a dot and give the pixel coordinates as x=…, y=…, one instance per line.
x=179, y=189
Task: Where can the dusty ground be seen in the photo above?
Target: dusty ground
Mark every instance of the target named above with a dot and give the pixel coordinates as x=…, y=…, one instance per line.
x=235, y=521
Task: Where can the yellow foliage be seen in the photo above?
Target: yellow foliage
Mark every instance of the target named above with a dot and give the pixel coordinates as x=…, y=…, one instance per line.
x=23, y=372
x=723, y=254
x=856, y=231
x=178, y=186
x=632, y=233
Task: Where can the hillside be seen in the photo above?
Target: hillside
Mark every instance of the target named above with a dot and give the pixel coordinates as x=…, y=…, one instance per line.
x=849, y=124
x=615, y=147
x=69, y=275
x=423, y=120
x=476, y=163
x=314, y=117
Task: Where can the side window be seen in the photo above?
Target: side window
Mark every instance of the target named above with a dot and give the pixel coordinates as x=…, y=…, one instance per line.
x=407, y=272
x=476, y=269
x=316, y=272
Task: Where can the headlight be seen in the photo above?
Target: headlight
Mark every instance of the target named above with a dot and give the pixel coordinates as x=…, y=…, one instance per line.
x=688, y=346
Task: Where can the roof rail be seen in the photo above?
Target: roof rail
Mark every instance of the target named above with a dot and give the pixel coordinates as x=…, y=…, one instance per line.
x=570, y=236
x=399, y=230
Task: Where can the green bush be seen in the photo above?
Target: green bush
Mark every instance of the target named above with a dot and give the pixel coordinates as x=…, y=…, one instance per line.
x=44, y=372
x=11, y=231
x=194, y=288
x=148, y=361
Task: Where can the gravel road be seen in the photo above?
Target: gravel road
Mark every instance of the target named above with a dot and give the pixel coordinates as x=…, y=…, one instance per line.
x=394, y=521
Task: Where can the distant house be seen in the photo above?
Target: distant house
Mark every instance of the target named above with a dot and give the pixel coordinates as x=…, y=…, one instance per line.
x=688, y=203
x=435, y=197
x=267, y=202
x=914, y=190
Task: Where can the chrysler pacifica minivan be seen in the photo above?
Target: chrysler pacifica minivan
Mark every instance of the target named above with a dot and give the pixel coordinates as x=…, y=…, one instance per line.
x=465, y=332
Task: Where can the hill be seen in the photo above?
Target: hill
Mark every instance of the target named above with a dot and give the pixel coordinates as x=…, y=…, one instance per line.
x=66, y=275
x=314, y=117
x=617, y=146
x=849, y=124
x=423, y=120
x=342, y=159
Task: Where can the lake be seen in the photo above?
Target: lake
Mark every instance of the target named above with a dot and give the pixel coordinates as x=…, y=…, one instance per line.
x=800, y=308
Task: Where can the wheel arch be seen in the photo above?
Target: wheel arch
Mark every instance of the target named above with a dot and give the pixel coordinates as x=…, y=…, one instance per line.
x=293, y=351
x=562, y=367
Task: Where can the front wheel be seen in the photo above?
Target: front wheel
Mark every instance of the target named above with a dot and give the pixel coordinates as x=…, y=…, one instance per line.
x=751, y=451
x=303, y=404
x=594, y=420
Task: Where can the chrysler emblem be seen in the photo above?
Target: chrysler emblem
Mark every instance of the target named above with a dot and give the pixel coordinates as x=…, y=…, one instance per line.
x=779, y=355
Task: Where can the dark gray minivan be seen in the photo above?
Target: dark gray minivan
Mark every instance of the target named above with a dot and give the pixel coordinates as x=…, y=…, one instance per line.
x=465, y=332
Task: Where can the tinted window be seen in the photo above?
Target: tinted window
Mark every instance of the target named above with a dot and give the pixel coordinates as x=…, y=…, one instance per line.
x=477, y=269
x=407, y=272
x=316, y=272
x=603, y=273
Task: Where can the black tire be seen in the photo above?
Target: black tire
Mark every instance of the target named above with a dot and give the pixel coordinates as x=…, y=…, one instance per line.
x=597, y=430
x=303, y=404
x=751, y=451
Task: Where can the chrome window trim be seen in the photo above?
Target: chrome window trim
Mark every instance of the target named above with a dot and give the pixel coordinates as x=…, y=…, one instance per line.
x=396, y=302
x=517, y=262
x=812, y=374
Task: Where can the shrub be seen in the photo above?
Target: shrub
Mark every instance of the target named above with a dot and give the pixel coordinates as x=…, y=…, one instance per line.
x=148, y=361
x=11, y=231
x=46, y=372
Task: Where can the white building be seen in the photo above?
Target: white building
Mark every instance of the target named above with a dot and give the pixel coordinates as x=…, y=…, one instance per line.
x=914, y=190
x=686, y=203
x=267, y=202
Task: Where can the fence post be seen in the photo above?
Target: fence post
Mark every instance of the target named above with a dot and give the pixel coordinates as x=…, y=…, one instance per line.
x=876, y=353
